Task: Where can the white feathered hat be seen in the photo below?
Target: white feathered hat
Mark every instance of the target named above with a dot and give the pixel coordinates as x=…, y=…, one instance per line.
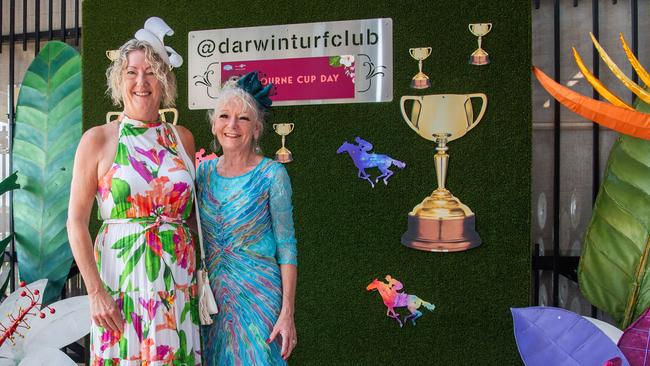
x=154, y=32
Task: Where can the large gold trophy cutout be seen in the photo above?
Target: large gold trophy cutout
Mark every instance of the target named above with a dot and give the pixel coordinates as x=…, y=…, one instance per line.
x=441, y=222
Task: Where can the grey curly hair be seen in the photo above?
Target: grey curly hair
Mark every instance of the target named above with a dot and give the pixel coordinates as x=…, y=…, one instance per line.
x=162, y=72
x=230, y=92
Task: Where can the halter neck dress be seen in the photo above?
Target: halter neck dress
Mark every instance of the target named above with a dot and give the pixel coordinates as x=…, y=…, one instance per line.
x=248, y=232
x=145, y=253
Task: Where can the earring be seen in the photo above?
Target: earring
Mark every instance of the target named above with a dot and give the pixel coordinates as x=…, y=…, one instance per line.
x=257, y=148
x=215, y=146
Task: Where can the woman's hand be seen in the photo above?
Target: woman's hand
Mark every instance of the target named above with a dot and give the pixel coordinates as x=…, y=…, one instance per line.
x=286, y=328
x=105, y=312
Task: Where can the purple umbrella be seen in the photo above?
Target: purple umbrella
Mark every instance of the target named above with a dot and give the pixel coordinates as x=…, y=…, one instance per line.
x=552, y=336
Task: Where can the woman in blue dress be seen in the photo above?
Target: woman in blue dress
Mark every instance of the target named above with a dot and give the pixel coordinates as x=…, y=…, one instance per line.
x=247, y=224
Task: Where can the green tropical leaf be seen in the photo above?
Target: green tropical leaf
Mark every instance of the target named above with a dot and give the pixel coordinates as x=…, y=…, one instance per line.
x=122, y=154
x=47, y=132
x=126, y=241
x=613, y=270
x=128, y=306
x=124, y=348
x=181, y=354
x=4, y=242
x=119, y=188
x=167, y=239
x=152, y=263
x=186, y=310
x=131, y=262
x=194, y=311
x=9, y=183
x=125, y=244
x=167, y=277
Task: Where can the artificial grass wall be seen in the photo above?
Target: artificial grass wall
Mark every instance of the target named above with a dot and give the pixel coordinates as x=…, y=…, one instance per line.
x=347, y=232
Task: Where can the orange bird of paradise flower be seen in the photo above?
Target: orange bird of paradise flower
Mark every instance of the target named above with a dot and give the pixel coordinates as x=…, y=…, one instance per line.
x=618, y=115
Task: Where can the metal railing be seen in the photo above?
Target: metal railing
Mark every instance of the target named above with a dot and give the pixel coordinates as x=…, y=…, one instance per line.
x=555, y=262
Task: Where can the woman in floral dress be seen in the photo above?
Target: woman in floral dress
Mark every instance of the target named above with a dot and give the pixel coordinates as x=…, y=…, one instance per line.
x=140, y=277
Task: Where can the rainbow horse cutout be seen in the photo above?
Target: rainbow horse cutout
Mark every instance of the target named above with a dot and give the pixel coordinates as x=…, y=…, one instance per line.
x=362, y=160
x=394, y=299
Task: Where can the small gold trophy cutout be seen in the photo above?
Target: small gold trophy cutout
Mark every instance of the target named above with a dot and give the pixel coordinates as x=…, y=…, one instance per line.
x=480, y=57
x=420, y=80
x=283, y=155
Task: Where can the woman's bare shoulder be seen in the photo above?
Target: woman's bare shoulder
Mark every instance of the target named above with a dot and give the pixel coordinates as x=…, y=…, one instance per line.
x=184, y=133
x=187, y=138
x=99, y=135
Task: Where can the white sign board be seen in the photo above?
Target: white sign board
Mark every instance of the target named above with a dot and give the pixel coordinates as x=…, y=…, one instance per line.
x=310, y=63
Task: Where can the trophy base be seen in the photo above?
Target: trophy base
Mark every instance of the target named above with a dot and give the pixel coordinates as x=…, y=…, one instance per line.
x=479, y=57
x=420, y=81
x=441, y=223
x=441, y=235
x=283, y=155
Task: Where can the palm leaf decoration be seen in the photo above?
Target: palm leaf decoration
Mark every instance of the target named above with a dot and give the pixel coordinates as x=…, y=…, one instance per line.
x=613, y=271
x=47, y=132
x=9, y=183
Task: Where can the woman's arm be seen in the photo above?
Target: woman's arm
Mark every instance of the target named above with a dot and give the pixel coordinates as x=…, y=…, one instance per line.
x=104, y=310
x=285, y=326
x=282, y=219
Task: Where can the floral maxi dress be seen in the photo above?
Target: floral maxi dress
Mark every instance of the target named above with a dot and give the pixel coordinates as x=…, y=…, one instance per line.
x=145, y=252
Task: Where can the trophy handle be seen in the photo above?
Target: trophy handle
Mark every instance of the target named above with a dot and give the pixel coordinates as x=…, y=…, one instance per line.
x=162, y=112
x=470, y=28
x=489, y=28
x=483, y=107
x=411, y=52
x=406, y=118
x=291, y=124
x=110, y=115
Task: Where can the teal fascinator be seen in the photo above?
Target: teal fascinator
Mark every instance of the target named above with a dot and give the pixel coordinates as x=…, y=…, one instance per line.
x=251, y=84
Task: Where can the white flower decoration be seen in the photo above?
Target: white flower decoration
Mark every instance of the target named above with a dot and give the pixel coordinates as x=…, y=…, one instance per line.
x=346, y=60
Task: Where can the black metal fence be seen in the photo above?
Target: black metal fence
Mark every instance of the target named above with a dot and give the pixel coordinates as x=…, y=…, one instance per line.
x=64, y=34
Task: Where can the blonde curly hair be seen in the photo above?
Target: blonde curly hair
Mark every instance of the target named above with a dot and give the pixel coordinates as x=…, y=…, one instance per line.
x=162, y=72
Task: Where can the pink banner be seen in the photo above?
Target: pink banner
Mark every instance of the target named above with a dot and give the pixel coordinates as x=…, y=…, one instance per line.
x=301, y=78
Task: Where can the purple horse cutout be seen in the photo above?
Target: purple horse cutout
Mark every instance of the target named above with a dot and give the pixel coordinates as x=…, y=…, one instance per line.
x=362, y=160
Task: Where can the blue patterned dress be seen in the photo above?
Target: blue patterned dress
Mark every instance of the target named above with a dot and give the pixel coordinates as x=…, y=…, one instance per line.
x=248, y=232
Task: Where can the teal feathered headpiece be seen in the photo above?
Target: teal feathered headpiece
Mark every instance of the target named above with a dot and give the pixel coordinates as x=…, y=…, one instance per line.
x=253, y=86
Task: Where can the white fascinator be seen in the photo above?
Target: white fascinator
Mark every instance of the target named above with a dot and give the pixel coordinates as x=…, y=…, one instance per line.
x=154, y=32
